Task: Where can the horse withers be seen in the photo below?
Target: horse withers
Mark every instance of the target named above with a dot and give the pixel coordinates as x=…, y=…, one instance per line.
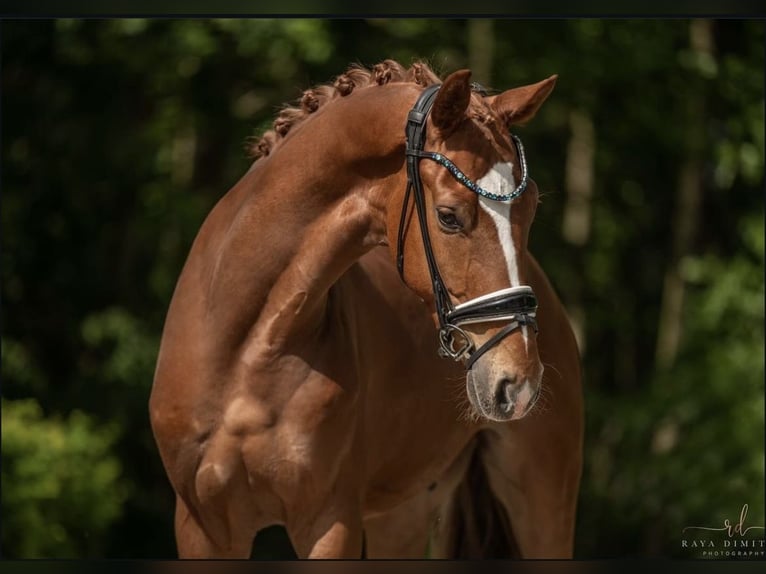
x=360, y=346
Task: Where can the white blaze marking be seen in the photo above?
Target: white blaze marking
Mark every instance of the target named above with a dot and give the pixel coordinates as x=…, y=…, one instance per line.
x=499, y=180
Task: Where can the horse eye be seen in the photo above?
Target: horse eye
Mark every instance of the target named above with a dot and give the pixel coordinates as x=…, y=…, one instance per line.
x=449, y=220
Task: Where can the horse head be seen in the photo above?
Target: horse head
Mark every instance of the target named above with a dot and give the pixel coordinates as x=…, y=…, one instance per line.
x=466, y=250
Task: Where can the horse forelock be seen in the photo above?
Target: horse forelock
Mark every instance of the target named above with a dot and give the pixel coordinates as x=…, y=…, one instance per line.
x=354, y=78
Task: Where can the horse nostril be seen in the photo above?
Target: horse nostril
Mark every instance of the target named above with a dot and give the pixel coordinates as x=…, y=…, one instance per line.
x=506, y=393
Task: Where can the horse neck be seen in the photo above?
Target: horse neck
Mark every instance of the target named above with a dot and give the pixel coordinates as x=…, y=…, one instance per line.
x=300, y=218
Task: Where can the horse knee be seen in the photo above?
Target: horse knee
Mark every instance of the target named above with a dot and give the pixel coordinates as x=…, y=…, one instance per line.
x=211, y=480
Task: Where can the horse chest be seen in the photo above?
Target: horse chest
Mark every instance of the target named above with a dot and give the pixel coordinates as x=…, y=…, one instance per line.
x=433, y=474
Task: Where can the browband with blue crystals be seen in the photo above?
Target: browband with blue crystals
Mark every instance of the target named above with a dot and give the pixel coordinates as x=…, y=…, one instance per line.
x=469, y=183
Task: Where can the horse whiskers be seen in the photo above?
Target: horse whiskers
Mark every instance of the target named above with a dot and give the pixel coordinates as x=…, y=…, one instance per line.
x=467, y=412
x=545, y=399
x=457, y=393
x=543, y=403
x=457, y=379
x=543, y=194
x=552, y=367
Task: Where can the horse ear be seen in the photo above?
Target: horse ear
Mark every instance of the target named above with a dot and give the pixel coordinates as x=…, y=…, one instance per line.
x=519, y=105
x=451, y=102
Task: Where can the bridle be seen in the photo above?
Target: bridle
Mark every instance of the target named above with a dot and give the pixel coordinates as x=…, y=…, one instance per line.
x=516, y=305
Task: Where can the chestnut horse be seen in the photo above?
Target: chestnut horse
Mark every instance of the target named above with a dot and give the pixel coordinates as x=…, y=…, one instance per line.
x=298, y=381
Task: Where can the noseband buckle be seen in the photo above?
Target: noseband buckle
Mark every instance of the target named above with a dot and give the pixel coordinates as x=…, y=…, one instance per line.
x=454, y=347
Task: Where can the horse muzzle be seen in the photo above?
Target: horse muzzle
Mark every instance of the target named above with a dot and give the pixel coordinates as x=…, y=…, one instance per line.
x=499, y=394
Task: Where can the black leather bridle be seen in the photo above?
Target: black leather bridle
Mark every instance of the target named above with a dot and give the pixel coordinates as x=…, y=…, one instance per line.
x=516, y=305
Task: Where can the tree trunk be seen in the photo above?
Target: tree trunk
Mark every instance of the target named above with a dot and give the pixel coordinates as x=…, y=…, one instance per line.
x=686, y=217
x=575, y=226
x=579, y=179
x=481, y=49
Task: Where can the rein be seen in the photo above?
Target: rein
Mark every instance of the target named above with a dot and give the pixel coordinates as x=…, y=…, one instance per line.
x=517, y=305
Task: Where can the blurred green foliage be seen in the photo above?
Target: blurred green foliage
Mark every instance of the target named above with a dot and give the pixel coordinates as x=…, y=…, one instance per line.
x=62, y=485
x=120, y=135
x=687, y=449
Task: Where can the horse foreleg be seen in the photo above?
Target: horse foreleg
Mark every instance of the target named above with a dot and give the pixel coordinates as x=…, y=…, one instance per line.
x=403, y=532
x=416, y=529
x=194, y=542
x=334, y=533
x=535, y=476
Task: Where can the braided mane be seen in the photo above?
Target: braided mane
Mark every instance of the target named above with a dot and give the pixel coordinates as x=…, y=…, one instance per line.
x=356, y=76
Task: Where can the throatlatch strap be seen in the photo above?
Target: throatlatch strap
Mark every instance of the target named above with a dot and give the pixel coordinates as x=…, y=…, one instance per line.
x=415, y=133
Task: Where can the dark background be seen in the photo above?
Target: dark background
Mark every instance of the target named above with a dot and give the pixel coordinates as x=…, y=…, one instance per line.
x=118, y=136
